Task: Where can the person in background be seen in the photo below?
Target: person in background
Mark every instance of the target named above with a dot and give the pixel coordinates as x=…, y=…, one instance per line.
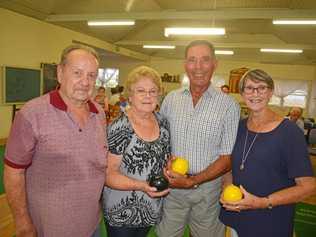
x=270, y=163
x=102, y=99
x=295, y=116
x=203, y=127
x=225, y=89
x=115, y=94
x=139, y=147
x=55, y=156
x=123, y=103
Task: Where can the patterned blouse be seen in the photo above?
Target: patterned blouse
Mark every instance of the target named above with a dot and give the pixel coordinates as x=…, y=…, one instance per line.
x=140, y=160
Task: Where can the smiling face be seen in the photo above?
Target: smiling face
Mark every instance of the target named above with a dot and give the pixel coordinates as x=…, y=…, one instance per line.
x=256, y=95
x=144, y=95
x=199, y=66
x=295, y=113
x=77, y=76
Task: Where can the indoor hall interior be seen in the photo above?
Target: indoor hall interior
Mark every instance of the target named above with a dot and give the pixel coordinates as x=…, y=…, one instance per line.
x=246, y=34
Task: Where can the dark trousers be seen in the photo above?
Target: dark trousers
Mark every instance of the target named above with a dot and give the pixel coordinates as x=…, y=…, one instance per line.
x=114, y=231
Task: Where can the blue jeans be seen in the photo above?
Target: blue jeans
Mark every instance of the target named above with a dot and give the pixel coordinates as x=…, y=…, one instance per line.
x=114, y=231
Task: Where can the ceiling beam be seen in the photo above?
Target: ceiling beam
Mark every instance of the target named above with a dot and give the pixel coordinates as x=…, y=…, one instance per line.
x=220, y=44
x=115, y=49
x=235, y=13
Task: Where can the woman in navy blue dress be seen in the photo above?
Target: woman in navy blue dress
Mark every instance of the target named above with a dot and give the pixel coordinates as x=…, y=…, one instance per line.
x=270, y=163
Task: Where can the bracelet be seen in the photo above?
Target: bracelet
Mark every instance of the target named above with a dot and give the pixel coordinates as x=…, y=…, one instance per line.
x=195, y=186
x=270, y=206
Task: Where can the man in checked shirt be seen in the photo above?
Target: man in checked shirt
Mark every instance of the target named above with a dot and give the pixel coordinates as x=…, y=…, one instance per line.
x=203, y=127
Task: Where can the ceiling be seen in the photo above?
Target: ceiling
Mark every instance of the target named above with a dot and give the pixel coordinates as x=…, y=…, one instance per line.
x=248, y=24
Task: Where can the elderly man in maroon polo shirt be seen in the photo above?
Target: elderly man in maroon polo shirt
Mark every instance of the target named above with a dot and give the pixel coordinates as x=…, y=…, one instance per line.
x=56, y=154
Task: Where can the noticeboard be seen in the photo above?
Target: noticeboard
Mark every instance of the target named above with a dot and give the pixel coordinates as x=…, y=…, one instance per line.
x=49, y=77
x=20, y=84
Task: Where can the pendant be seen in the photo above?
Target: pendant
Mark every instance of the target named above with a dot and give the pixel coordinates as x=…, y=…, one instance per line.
x=241, y=167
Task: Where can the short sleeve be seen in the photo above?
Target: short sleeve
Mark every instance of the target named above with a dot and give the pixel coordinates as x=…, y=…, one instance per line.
x=165, y=131
x=230, y=127
x=21, y=143
x=163, y=107
x=296, y=152
x=119, y=135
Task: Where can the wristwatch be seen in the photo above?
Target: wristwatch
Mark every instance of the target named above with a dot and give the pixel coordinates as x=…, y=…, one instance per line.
x=269, y=203
x=195, y=186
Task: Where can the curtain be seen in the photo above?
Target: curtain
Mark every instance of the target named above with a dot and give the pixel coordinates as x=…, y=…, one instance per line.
x=283, y=88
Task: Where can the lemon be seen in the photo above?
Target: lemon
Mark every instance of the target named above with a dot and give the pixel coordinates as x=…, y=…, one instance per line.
x=180, y=165
x=232, y=193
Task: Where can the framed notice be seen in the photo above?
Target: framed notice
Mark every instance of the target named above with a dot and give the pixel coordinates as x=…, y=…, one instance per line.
x=20, y=84
x=49, y=77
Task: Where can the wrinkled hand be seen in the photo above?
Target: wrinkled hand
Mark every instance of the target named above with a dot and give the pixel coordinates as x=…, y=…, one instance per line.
x=249, y=201
x=177, y=180
x=152, y=191
x=25, y=228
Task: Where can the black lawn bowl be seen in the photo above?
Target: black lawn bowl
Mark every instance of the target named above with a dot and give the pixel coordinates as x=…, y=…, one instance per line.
x=160, y=182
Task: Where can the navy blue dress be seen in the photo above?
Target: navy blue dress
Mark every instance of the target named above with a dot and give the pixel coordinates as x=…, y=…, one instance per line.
x=275, y=160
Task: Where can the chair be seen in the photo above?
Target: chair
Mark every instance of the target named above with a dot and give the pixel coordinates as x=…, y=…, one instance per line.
x=312, y=141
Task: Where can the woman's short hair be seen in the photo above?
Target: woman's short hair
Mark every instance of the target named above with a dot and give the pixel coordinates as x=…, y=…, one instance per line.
x=256, y=75
x=140, y=72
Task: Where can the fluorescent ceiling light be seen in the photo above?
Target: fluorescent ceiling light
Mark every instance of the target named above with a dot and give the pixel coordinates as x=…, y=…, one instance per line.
x=282, y=50
x=294, y=22
x=194, y=31
x=159, y=46
x=224, y=52
x=111, y=23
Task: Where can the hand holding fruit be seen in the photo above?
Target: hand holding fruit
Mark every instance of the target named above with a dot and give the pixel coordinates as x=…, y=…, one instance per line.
x=232, y=193
x=176, y=173
x=234, y=200
x=180, y=165
x=231, y=197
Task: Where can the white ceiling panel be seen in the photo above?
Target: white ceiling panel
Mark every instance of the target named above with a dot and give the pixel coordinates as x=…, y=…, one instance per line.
x=248, y=24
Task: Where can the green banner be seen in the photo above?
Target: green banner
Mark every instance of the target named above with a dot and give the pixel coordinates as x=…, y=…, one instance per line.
x=305, y=220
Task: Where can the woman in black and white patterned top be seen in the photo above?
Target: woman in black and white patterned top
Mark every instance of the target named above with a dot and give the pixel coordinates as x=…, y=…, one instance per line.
x=139, y=147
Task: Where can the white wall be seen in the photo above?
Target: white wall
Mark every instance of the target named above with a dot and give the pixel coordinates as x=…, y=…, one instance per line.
x=27, y=42
x=277, y=71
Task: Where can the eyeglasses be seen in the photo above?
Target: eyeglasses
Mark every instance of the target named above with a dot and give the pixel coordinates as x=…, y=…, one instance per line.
x=143, y=92
x=259, y=89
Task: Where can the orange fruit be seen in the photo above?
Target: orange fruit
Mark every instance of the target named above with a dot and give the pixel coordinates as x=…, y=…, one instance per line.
x=232, y=193
x=180, y=165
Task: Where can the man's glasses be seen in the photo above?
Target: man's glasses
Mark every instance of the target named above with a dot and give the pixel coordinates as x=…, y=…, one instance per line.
x=143, y=92
x=259, y=89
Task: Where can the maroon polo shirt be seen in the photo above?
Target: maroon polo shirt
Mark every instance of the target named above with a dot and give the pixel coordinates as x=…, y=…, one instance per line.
x=65, y=165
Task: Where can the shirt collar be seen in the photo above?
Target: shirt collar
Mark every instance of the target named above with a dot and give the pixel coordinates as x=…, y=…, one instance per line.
x=59, y=103
x=209, y=92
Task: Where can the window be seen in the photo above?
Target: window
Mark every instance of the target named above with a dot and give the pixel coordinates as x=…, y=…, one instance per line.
x=108, y=77
x=289, y=93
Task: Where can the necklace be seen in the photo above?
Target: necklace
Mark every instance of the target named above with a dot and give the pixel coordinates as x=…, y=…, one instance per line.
x=245, y=154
